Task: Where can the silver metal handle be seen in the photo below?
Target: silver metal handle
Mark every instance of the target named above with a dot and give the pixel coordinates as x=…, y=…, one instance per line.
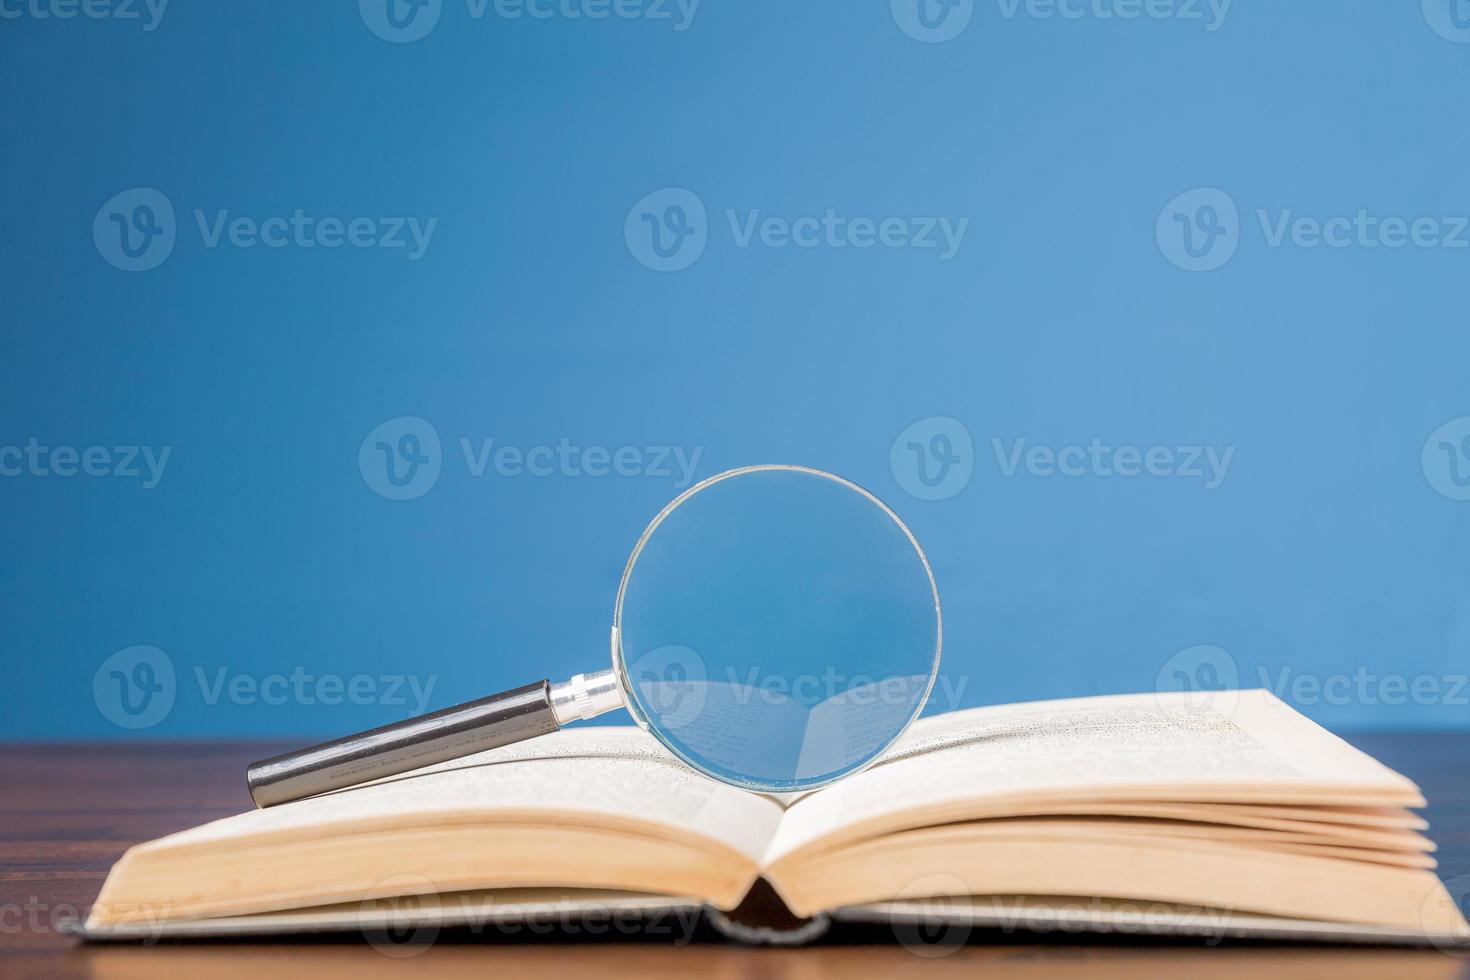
x=500, y=719
x=586, y=696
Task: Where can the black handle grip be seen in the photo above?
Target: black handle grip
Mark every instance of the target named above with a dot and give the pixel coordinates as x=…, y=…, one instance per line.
x=474, y=726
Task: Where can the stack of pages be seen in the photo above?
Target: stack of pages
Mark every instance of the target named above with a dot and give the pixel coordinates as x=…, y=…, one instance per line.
x=1151, y=812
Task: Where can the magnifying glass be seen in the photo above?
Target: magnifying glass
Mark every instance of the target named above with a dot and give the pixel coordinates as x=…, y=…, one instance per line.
x=776, y=628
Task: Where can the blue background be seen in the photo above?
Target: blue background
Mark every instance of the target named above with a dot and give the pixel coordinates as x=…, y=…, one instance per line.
x=1326, y=550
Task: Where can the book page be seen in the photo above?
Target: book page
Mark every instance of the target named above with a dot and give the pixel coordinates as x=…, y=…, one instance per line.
x=728, y=723
x=598, y=773
x=855, y=723
x=1245, y=746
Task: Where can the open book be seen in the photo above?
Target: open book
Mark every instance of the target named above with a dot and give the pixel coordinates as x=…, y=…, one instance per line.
x=1240, y=817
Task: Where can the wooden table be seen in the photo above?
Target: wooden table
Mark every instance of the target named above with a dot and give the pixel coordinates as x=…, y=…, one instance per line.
x=68, y=811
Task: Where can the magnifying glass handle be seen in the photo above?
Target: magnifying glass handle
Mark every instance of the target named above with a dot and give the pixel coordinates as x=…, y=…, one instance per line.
x=488, y=723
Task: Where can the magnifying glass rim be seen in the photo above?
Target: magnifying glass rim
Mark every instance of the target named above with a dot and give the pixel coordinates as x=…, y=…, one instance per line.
x=620, y=667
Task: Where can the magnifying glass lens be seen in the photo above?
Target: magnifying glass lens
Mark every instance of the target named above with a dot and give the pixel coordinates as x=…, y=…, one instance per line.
x=777, y=628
